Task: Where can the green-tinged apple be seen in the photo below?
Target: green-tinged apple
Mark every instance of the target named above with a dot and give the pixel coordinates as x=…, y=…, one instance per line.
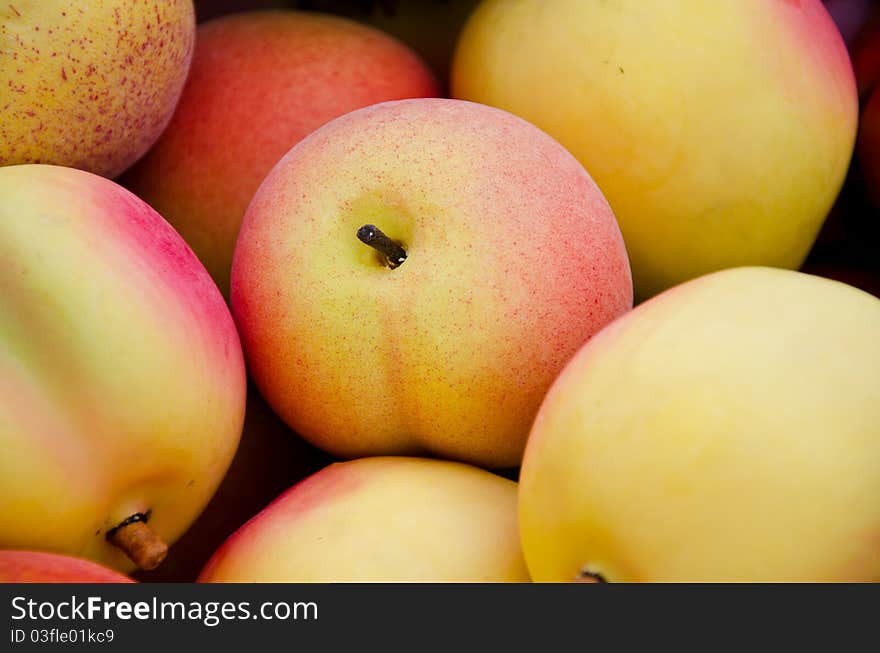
x=261, y=81
x=90, y=85
x=270, y=458
x=383, y=519
x=122, y=381
x=720, y=132
x=42, y=567
x=412, y=276
x=727, y=430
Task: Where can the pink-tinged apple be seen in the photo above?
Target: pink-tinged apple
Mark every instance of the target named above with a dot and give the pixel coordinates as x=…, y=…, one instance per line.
x=90, y=85
x=720, y=132
x=727, y=430
x=412, y=276
x=260, y=82
x=383, y=519
x=41, y=567
x=122, y=381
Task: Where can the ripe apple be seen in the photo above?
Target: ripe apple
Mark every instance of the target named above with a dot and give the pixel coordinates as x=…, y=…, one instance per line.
x=41, y=567
x=513, y=260
x=270, y=458
x=261, y=81
x=122, y=382
x=90, y=85
x=720, y=132
x=383, y=519
x=727, y=430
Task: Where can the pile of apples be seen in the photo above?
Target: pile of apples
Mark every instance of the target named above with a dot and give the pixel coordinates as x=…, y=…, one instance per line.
x=439, y=290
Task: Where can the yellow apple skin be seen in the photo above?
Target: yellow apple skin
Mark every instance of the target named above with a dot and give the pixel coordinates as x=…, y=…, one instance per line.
x=720, y=132
x=122, y=383
x=90, y=85
x=382, y=519
x=726, y=430
x=514, y=261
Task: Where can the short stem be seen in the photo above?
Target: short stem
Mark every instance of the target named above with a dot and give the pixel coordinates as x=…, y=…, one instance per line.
x=371, y=235
x=139, y=542
x=590, y=577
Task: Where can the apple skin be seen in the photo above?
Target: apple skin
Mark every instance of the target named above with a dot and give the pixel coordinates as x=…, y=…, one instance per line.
x=90, y=87
x=269, y=460
x=726, y=430
x=382, y=519
x=720, y=132
x=515, y=260
x=122, y=381
x=260, y=82
x=41, y=567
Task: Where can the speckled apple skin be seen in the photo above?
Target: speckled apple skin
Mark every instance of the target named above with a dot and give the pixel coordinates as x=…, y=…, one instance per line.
x=515, y=260
x=90, y=85
x=380, y=519
x=260, y=82
x=40, y=567
x=122, y=381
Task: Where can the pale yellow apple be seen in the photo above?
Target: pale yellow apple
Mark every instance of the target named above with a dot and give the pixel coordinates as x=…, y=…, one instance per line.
x=726, y=430
x=383, y=519
x=720, y=131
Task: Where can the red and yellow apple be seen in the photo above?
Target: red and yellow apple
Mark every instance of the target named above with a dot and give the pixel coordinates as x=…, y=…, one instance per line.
x=726, y=430
x=122, y=381
x=383, y=519
x=720, y=132
x=90, y=85
x=513, y=260
x=260, y=82
x=41, y=567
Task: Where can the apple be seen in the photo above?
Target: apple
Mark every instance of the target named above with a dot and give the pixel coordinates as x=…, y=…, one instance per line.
x=270, y=458
x=90, y=85
x=726, y=430
x=260, y=82
x=720, y=132
x=41, y=567
x=382, y=519
x=513, y=259
x=122, y=381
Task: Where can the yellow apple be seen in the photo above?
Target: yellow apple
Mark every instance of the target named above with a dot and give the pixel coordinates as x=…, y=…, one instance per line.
x=720, y=131
x=383, y=519
x=725, y=430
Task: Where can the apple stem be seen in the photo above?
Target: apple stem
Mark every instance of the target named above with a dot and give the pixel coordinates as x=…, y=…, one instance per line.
x=138, y=541
x=393, y=253
x=590, y=577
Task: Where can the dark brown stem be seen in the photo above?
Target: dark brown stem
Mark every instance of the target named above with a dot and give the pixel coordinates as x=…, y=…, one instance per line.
x=392, y=252
x=590, y=577
x=139, y=542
